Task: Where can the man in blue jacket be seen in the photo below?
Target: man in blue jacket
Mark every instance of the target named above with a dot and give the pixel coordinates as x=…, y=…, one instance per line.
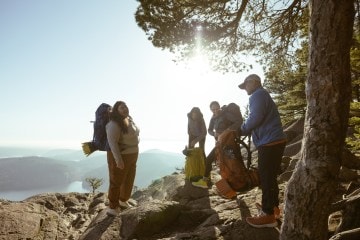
x=266, y=129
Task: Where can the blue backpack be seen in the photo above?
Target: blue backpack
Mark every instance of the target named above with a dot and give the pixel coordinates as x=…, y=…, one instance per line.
x=99, y=141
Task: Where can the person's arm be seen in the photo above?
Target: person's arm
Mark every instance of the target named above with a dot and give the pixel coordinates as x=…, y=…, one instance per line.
x=211, y=127
x=202, y=133
x=203, y=129
x=257, y=107
x=188, y=126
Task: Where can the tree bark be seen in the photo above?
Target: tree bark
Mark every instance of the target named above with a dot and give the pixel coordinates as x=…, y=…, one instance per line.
x=350, y=213
x=328, y=92
x=353, y=234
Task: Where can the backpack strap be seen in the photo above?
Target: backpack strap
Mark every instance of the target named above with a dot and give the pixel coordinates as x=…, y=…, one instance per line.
x=247, y=146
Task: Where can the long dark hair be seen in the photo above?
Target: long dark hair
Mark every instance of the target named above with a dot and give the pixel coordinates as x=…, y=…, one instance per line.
x=196, y=109
x=119, y=119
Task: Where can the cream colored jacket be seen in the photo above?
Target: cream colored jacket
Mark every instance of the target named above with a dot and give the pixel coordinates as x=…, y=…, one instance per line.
x=121, y=143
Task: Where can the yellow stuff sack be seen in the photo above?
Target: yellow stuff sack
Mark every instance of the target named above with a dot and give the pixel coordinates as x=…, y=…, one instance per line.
x=194, y=164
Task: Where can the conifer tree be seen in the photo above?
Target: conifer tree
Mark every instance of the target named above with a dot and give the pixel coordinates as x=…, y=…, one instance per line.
x=268, y=30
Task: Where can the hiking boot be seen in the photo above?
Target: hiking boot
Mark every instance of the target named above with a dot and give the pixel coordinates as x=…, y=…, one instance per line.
x=113, y=211
x=132, y=202
x=262, y=220
x=276, y=210
x=201, y=183
x=124, y=205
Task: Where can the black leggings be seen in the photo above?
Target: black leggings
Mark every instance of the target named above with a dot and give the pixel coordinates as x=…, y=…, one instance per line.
x=209, y=161
x=269, y=160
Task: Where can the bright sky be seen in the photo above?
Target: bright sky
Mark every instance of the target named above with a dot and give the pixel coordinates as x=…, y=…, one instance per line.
x=60, y=59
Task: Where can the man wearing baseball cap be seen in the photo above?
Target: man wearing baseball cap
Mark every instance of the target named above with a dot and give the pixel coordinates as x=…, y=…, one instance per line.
x=265, y=126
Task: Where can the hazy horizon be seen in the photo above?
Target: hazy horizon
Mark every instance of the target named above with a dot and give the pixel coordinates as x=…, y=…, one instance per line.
x=169, y=145
x=59, y=63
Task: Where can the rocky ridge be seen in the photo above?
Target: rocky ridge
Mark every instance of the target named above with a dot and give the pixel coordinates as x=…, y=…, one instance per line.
x=171, y=208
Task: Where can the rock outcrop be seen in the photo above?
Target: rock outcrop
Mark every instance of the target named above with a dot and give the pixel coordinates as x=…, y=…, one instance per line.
x=171, y=208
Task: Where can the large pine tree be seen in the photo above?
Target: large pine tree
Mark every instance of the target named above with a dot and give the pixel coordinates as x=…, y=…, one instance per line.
x=273, y=29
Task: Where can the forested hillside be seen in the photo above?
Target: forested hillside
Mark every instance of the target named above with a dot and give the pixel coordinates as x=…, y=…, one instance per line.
x=33, y=172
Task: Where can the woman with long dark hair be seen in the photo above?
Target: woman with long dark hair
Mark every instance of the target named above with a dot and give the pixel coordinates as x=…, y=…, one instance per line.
x=123, y=138
x=196, y=128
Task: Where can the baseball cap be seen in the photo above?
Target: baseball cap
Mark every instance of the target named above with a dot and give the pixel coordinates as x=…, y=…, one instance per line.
x=251, y=77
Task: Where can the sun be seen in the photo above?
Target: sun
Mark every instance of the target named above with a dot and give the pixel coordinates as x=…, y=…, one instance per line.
x=199, y=64
x=195, y=68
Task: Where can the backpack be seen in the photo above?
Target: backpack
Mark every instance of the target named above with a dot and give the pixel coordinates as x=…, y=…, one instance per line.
x=233, y=109
x=99, y=141
x=235, y=176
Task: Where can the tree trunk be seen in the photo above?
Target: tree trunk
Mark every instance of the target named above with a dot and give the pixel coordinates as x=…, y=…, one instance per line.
x=328, y=92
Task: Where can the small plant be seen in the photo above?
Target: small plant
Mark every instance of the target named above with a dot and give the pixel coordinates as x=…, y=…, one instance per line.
x=94, y=183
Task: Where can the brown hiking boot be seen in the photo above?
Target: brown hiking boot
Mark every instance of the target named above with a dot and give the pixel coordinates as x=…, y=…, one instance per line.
x=262, y=220
x=276, y=210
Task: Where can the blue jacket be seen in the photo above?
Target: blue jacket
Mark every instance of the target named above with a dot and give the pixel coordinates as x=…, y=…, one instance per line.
x=264, y=122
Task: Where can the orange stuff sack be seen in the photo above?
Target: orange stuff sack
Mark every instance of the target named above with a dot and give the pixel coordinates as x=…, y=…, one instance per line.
x=224, y=189
x=231, y=164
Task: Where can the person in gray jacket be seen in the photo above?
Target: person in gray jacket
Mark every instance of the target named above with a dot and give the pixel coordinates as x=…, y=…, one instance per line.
x=196, y=128
x=123, y=139
x=264, y=125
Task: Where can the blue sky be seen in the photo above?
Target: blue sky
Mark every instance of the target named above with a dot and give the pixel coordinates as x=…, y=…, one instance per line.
x=60, y=59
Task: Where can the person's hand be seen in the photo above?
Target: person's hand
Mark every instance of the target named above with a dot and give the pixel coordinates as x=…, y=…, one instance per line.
x=120, y=164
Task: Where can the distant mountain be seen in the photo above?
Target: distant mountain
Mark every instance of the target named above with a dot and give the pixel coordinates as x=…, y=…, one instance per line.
x=58, y=154
x=7, y=152
x=66, y=154
x=26, y=173
x=34, y=172
x=155, y=164
x=151, y=165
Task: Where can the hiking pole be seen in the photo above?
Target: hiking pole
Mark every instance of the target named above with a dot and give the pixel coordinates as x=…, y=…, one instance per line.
x=247, y=147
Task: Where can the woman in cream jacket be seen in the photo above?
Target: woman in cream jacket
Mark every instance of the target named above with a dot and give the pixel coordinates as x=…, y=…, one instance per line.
x=123, y=138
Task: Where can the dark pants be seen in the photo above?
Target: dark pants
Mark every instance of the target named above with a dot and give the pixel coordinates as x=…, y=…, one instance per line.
x=269, y=160
x=121, y=180
x=209, y=161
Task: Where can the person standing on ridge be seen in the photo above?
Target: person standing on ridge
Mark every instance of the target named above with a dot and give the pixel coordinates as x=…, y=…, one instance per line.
x=219, y=122
x=264, y=124
x=123, y=138
x=196, y=128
